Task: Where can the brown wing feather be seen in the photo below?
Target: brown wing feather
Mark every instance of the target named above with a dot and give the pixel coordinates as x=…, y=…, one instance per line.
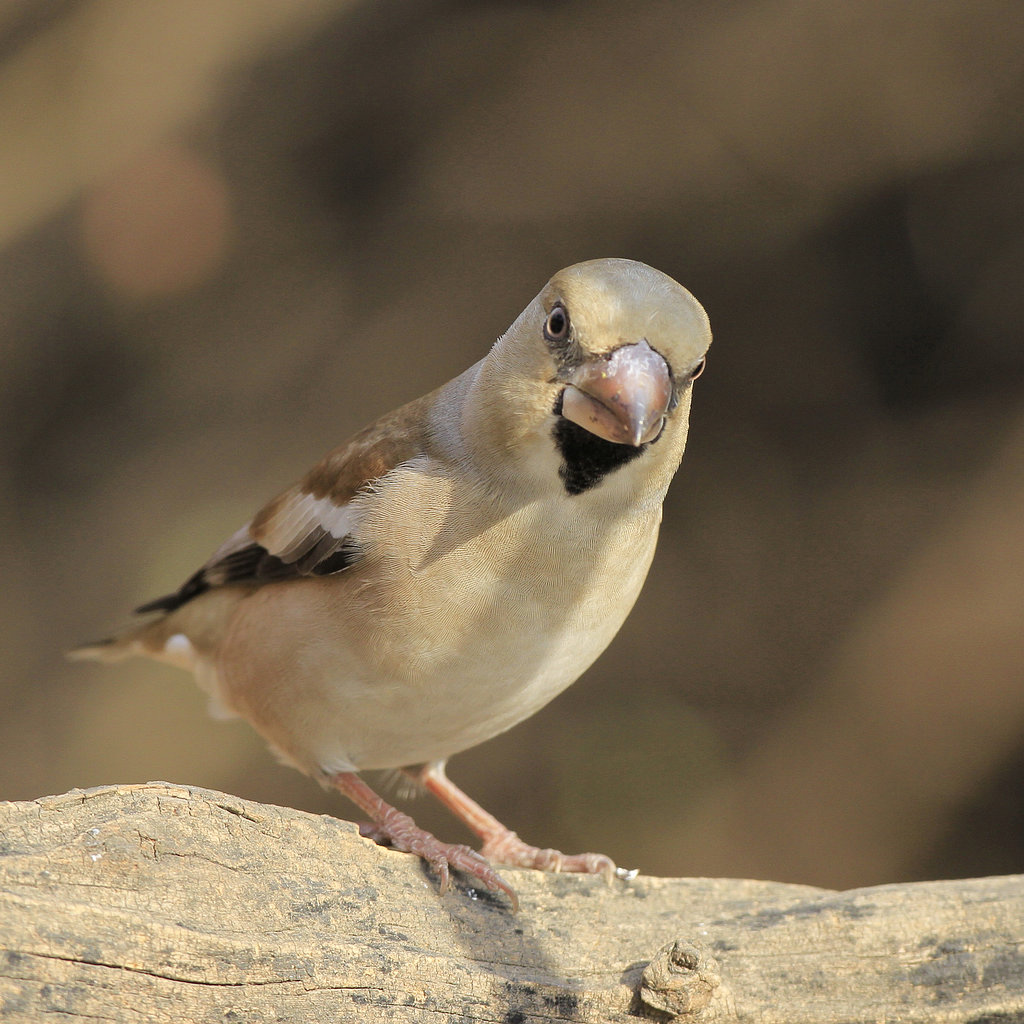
x=369, y=454
x=305, y=530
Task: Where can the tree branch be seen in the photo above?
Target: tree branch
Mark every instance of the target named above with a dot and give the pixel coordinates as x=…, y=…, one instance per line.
x=168, y=903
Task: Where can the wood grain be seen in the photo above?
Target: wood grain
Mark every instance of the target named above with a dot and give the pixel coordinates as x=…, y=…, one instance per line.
x=160, y=902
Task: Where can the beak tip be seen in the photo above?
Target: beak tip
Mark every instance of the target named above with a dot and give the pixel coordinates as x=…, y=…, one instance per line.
x=622, y=398
x=645, y=430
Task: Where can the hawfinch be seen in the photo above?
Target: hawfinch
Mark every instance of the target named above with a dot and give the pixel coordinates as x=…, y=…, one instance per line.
x=455, y=565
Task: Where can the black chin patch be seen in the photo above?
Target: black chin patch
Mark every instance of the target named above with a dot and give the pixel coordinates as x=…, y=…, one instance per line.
x=586, y=458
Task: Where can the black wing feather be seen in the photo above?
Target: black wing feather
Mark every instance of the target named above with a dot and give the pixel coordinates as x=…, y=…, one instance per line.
x=254, y=564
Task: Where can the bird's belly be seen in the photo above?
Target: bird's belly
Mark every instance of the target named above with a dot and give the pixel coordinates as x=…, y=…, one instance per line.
x=482, y=681
x=446, y=656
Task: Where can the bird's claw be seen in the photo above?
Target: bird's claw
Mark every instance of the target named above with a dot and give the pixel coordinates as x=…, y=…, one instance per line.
x=508, y=848
x=442, y=857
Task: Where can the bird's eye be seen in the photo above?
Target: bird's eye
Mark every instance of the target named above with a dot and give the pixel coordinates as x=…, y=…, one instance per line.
x=698, y=369
x=556, y=327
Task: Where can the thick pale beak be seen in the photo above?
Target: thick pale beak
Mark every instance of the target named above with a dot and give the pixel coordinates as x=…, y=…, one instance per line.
x=623, y=398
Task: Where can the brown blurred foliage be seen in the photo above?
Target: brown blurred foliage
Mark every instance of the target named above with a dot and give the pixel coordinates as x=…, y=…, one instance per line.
x=231, y=234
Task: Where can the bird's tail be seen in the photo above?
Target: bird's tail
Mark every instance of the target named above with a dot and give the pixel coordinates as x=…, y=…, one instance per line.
x=112, y=648
x=185, y=636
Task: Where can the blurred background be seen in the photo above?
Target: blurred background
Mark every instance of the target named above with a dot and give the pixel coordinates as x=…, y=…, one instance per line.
x=231, y=234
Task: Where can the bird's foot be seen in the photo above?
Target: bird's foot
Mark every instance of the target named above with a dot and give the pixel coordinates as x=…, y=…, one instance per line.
x=404, y=834
x=507, y=848
x=391, y=826
x=501, y=844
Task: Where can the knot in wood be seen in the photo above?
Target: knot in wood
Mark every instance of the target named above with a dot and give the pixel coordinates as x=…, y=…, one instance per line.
x=680, y=980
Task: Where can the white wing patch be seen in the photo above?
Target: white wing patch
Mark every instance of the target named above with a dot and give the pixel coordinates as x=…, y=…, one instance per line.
x=302, y=536
x=301, y=524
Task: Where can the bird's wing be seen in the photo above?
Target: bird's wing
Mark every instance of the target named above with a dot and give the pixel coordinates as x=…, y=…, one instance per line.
x=307, y=530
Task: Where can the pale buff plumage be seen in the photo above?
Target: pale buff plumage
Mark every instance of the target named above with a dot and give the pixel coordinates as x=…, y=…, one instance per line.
x=457, y=564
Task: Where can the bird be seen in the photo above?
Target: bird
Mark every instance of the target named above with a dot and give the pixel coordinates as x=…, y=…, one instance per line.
x=455, y=565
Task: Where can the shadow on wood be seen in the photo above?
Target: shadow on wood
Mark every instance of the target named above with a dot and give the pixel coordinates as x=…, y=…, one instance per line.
x=170, y=903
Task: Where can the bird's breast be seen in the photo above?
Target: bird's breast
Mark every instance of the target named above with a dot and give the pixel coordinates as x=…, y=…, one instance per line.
x=462, y=618
x=493, y=607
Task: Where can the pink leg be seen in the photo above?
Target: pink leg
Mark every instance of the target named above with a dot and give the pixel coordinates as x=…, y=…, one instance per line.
x=407, y=836
x=501, y=844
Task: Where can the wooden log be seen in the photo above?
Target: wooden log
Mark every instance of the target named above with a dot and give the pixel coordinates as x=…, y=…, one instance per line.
x=169, y=903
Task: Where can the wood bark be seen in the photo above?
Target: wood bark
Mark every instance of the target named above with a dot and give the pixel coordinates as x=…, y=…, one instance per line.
x=168, y=903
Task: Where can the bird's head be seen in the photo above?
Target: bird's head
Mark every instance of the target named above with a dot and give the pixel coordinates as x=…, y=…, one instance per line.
x=596, y=370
